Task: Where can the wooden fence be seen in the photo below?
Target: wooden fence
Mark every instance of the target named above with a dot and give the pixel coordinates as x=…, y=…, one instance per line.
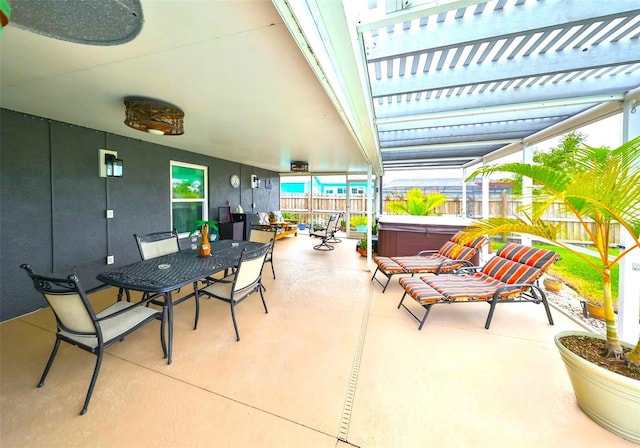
x=320, y=207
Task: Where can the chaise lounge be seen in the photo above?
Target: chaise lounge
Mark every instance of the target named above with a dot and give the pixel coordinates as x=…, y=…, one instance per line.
x=509, y=277
x=451, y=256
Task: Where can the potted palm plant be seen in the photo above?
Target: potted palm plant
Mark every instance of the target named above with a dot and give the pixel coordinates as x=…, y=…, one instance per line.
x=208, y=231
x=601, y=187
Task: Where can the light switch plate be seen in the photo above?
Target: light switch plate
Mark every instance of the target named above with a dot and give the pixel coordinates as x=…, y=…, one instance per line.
x=111, y=259
x=109, y=213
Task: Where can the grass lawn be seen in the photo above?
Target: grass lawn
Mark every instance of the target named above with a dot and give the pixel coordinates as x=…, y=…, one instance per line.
x=580, y=275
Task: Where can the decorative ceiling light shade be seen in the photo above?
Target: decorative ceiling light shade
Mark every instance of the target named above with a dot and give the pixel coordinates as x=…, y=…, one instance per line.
x=153, y=116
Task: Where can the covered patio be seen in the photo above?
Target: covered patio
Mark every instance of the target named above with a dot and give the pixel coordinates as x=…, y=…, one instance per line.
x=333, y=364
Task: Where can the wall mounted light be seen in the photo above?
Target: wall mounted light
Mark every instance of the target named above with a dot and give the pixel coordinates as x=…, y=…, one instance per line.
x=255, y=181
x=114, y=166
x=109, y=164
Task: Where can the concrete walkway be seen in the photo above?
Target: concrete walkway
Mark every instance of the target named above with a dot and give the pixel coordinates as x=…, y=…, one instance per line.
x=333, y=364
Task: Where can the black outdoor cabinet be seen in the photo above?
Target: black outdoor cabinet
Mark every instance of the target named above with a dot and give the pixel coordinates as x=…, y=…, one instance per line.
x=231, y=231
x=228, y=229
x=248, y=220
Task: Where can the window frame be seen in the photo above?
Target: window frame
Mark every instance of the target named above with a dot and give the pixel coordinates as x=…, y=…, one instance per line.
x=204, y=200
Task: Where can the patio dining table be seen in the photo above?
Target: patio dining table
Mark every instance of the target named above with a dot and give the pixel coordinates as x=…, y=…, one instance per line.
x=164, y=274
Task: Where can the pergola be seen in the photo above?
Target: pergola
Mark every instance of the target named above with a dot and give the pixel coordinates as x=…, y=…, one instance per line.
x=458, y=83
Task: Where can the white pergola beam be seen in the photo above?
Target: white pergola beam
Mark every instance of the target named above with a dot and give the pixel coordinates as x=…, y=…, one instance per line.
x=619, y=53
x=525, y=19
x=507, y=108
x=449, y=145
x=535, y=93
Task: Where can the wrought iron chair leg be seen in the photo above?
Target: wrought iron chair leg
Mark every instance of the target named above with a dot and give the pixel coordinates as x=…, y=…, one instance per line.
x=50, y=362
x=163, y=341
x=94, y=378
x=263, y=302
x=197, y=299
x=235, y=324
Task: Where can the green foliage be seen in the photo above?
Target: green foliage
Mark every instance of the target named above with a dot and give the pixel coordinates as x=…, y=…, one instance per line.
x=581, y=276
x=182, y=191
x=560, y=158
x=358, y=220
x=287, y=215
x=417, y=203
x=362, y=244
x=213, y=226
x=600, y=186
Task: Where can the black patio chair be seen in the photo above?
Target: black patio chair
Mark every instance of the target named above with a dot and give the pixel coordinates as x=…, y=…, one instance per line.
x=79, y=325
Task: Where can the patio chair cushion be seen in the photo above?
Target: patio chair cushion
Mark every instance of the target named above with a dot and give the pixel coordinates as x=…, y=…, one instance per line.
x=387, y=265
x=451, y=256
x=263, y=219
x=515, y=263
x=420, y=291
x=276, y=216
x=418, y=264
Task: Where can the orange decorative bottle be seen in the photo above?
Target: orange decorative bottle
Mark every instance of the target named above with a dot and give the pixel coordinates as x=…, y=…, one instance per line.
x=205, y=246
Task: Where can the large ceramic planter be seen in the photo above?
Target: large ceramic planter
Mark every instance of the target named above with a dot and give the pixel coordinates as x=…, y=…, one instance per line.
x=609, y=399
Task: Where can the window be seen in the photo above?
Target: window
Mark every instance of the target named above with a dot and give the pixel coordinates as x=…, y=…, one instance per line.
x=188, y=195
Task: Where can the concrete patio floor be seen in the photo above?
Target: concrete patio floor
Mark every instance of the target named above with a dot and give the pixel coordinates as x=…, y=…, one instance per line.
x=333, y=364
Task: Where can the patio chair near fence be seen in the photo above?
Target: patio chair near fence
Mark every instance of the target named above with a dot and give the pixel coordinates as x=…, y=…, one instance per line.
x=327, y=235
x=450, y=257
x=511, y=276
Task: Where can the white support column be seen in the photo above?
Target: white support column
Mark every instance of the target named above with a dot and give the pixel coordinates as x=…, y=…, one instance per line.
x=484, y=252
x=628, y=295
x=527, y=185
x=370, y=187
x=464, y=193
x=485, y=197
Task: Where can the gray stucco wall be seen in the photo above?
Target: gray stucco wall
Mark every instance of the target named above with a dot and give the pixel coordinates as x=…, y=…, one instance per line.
x=53, y=202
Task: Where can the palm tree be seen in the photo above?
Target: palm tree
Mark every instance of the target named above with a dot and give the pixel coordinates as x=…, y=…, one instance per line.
x=417, y=203
x=602, y=187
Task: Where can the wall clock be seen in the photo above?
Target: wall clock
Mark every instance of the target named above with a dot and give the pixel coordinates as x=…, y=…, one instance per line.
x=234, y=180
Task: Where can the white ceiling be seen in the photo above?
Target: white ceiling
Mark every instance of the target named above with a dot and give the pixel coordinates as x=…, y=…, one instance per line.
x=247, y=92
x=448, y=83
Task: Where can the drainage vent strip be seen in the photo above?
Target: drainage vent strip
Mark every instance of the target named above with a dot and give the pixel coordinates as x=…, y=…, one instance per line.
x=355, y=369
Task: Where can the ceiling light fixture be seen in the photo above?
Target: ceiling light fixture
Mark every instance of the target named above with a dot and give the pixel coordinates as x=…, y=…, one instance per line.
x=153, y=116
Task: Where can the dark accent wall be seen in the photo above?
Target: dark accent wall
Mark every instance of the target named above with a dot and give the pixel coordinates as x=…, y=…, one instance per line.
x=53, y=202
